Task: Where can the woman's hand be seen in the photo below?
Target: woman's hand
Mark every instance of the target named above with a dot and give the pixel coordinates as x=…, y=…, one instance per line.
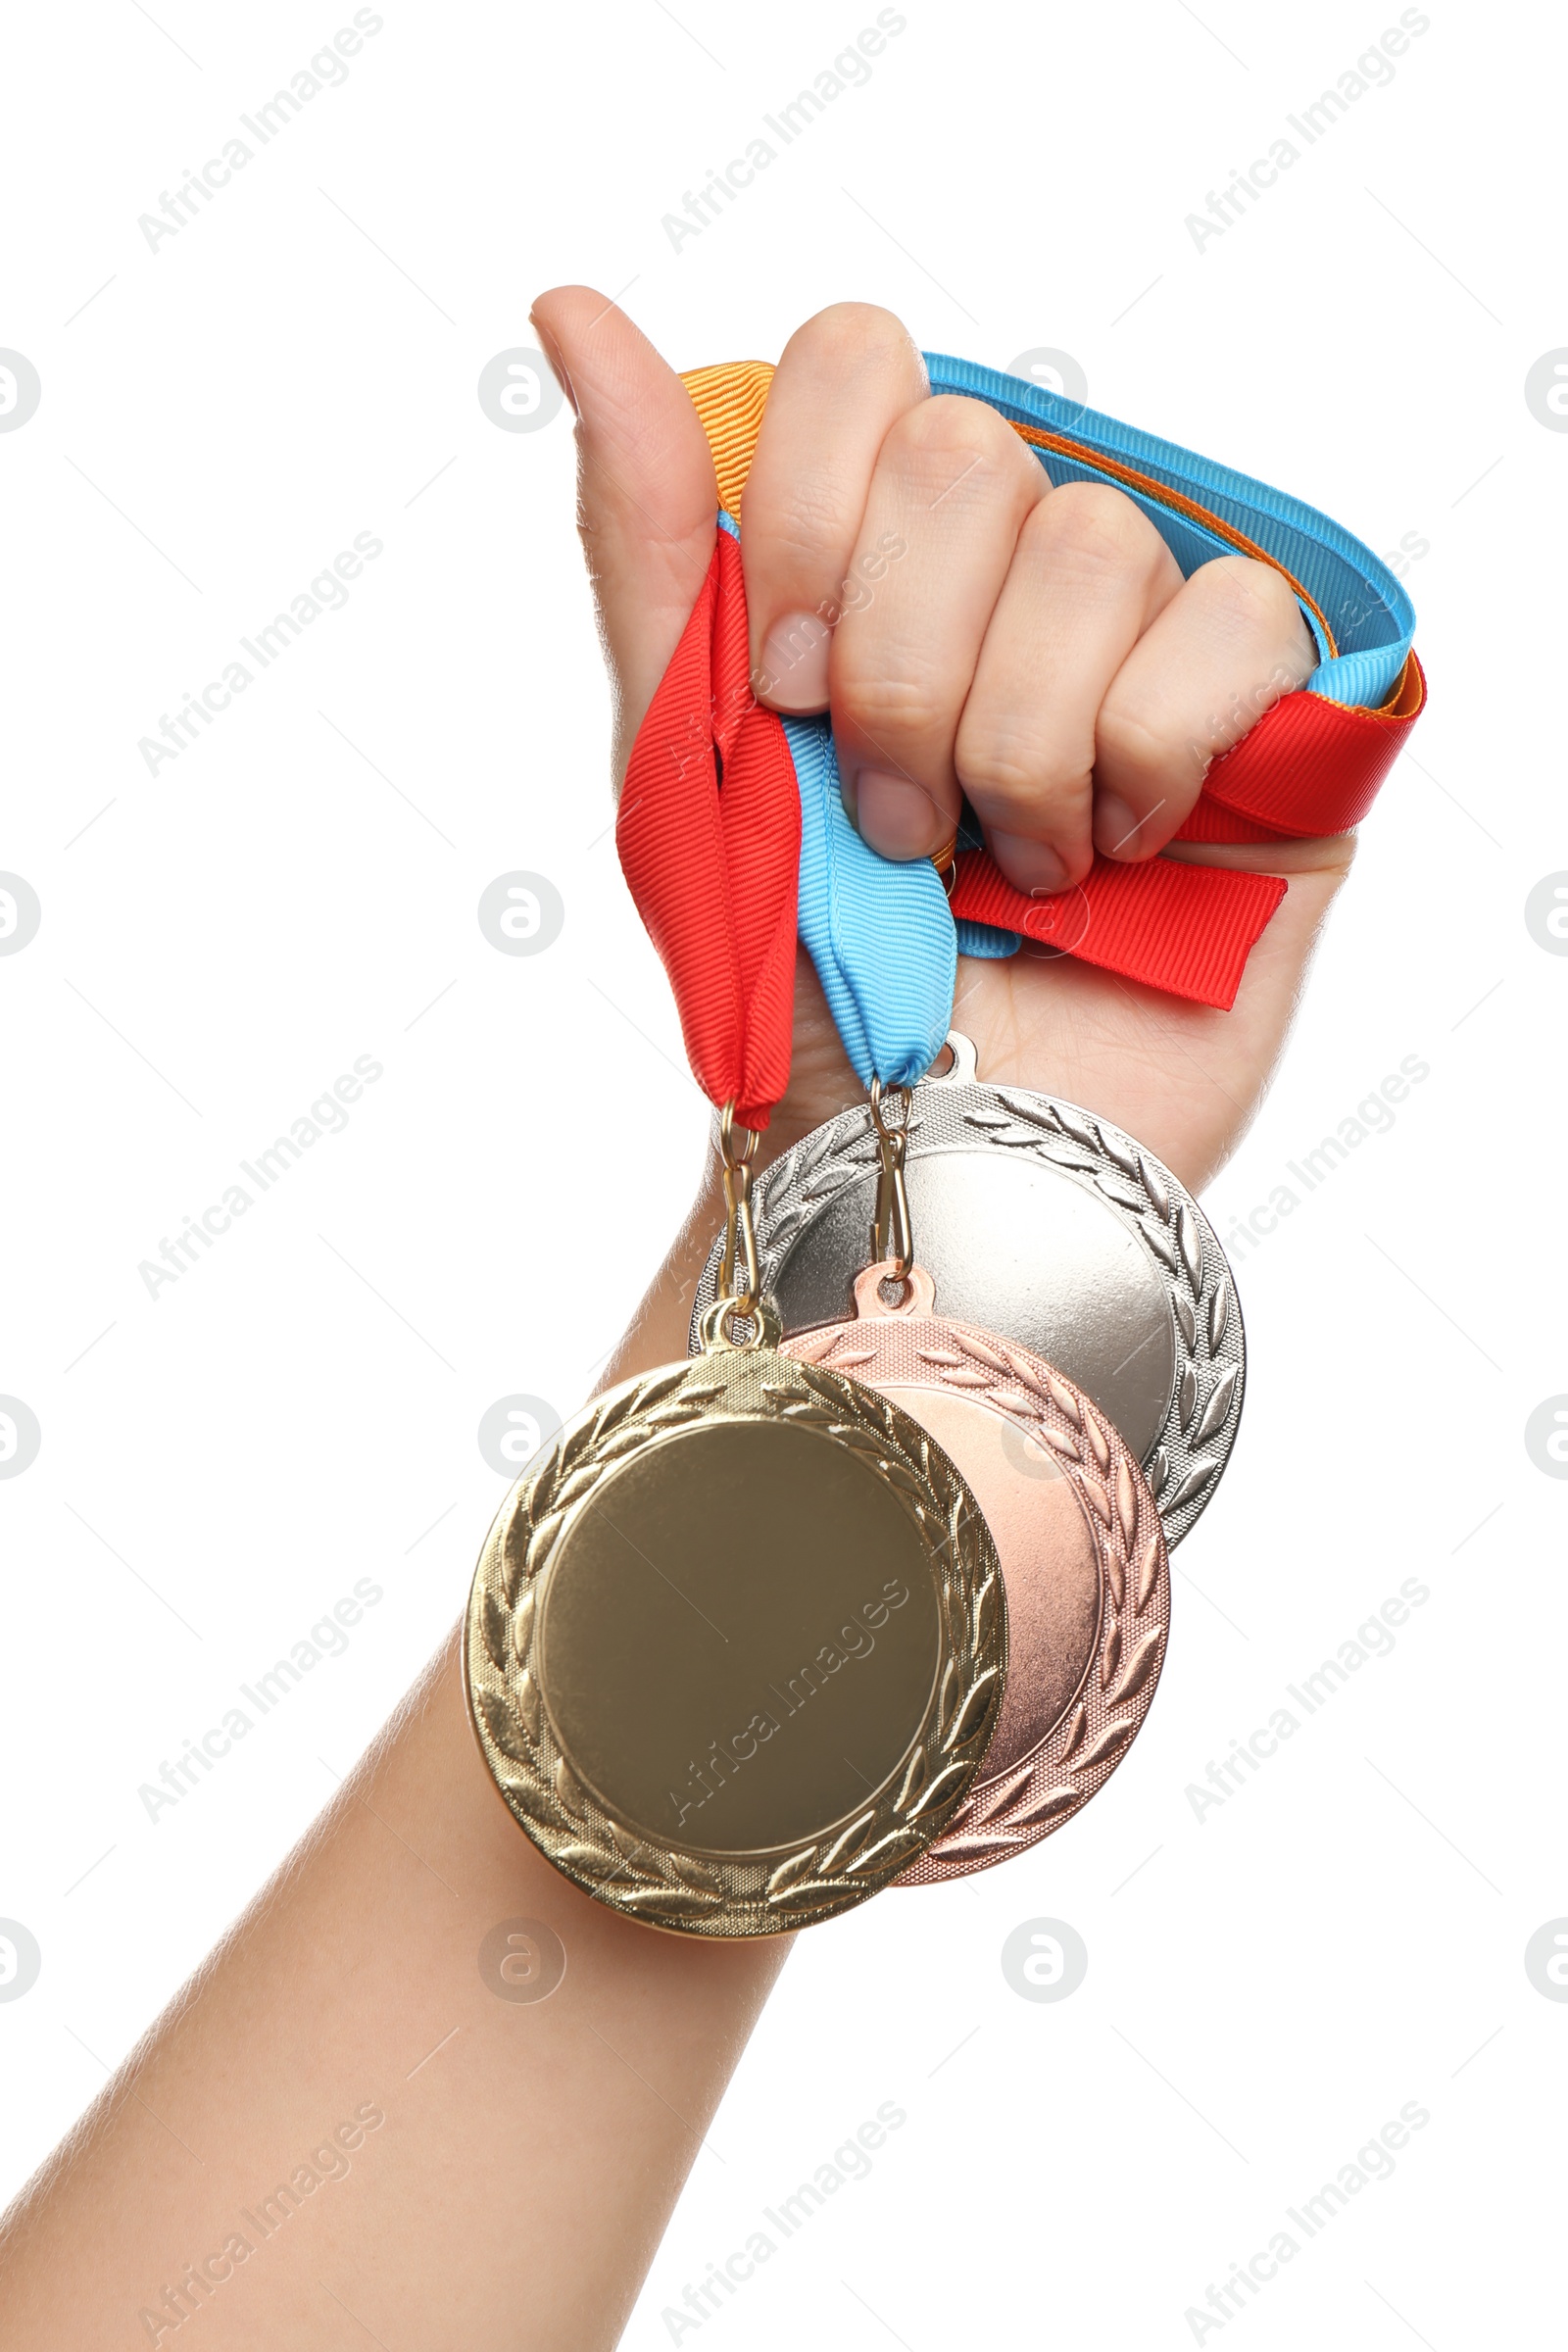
x=1033, y=648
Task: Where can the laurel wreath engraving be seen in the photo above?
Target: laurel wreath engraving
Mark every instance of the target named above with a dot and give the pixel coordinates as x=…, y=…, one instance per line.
x=687, y=1890
x=1203, y=1302
x=823, y=1170
x=1036, y=1797
x=1205, y=1404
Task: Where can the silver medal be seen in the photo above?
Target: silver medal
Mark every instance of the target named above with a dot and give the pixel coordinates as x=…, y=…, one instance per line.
x=1037, y=1220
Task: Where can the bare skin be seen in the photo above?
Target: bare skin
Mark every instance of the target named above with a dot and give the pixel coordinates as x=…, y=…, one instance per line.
x=1044, y=658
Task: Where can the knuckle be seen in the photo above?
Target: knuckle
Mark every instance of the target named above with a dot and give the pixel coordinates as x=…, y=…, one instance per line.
x=949, y=429
x=1014, y=776
x=1251, y=598
x=797, y=544
x=1098, y=531
x=892, y=708
x=1142, y=750
x=852, y=336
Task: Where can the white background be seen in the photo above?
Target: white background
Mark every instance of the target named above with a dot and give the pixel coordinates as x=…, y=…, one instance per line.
x=219, y=1464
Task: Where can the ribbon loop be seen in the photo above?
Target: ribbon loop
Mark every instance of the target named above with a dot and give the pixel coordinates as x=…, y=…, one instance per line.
x=879, y=934
x=709, y=833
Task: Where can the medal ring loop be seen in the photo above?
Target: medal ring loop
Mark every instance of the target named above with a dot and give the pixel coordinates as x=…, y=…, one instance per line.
x=740, y=1231
x=718, y=1325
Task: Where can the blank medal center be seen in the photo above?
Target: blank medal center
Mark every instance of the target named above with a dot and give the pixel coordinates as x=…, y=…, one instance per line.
x=739, y=1637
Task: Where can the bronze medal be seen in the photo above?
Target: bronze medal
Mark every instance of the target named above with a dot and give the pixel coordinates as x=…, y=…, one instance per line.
x=1081, y=1551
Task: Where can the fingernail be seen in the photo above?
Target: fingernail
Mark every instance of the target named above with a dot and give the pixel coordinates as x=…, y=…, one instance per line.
x=1116, y=828
x=795, y=656
x=1031, y=866
x=896, y=817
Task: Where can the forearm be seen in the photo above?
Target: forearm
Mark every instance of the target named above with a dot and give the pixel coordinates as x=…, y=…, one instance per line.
x=530, y=2152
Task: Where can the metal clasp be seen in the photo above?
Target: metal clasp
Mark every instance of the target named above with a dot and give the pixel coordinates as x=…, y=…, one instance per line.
x=740, y=1233
x=890, y=1225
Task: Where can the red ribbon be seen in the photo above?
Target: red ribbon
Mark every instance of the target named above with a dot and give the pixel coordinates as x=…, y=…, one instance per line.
x=1308, y=768
x=709, y=832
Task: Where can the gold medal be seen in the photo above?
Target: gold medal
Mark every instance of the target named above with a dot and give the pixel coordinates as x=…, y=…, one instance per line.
x=736, y=1642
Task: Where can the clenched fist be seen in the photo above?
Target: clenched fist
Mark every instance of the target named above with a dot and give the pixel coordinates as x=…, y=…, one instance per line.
x=911, y=570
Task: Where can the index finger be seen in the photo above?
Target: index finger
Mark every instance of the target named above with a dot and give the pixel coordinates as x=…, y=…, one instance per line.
x=846, y=376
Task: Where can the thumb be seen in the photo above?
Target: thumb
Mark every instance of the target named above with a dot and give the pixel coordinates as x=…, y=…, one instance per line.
x=646, y=494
